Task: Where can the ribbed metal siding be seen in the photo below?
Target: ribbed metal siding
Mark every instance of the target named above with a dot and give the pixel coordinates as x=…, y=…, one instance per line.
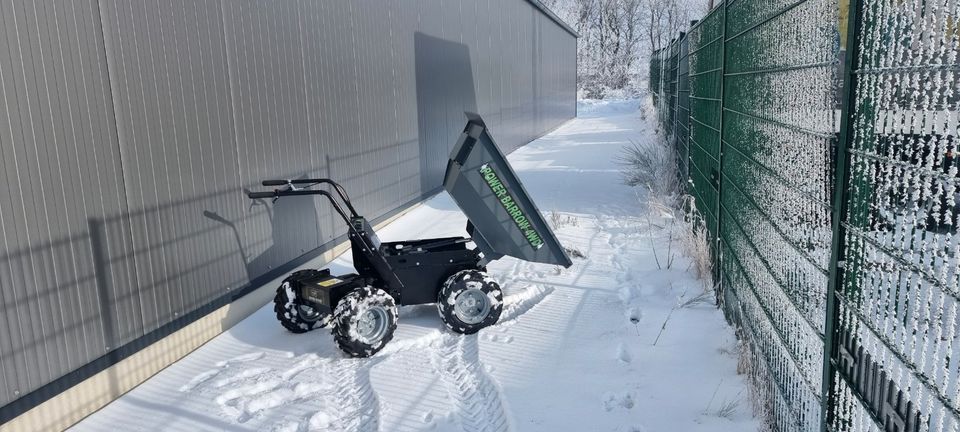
x=61, y=173
x=129, y=129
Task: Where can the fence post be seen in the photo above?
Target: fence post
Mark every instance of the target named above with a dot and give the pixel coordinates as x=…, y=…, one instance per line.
x=676, y=87
x=718, y=255
x=676, y=113
x=840, y=186
x=663, y=88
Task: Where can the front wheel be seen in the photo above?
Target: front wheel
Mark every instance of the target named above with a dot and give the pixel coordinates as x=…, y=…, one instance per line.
x=469, y=301
x=364, y=321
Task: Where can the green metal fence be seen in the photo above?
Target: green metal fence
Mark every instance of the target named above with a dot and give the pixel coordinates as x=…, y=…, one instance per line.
x=774, y=207
x=706, y=87
x=670, y=88
x=897, y=292
x=672, y=68
x=832, y=192
x=656, y=77
x=681, y=129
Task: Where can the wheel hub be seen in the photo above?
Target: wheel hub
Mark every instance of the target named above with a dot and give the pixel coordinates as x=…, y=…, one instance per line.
x=308, y=313
x=372, y=325
x=472, y=306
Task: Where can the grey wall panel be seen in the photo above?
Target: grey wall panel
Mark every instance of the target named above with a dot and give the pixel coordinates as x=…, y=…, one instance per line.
x=404, y=21
x=319, y=100
x=61, y=174
x=130, y=129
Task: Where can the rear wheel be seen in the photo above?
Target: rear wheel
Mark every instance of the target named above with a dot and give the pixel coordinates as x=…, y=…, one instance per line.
x=469, y=301
x=294, y=313
x=364, y=321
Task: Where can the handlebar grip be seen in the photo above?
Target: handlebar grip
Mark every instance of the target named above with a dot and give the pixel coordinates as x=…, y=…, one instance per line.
x=256, y=195
x=274, y=182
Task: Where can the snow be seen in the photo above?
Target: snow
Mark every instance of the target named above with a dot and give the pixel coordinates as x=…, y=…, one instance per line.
x=573, y=351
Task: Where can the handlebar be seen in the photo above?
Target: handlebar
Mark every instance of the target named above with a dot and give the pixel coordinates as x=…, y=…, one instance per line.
x=279, y=193
x=336, y=186
x=257, y=195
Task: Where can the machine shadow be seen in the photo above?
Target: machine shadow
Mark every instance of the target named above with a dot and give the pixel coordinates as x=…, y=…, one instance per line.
x=445, y=90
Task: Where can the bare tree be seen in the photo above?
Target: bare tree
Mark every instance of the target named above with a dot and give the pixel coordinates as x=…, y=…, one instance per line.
x=611, y=52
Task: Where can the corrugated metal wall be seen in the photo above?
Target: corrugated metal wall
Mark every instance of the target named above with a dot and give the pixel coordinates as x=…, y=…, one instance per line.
x=129, y=129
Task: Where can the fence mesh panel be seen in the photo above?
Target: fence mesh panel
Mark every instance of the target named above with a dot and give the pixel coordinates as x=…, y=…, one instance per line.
x=671, y=71
x=706, y=78
x=751, y=96
x=682, y=129
x=655, y=81
x=776, y=176
x=898, y=350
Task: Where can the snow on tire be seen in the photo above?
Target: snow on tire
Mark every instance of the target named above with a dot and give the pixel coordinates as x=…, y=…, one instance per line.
x=295, y=314
x=469, y=301
x=364, y=321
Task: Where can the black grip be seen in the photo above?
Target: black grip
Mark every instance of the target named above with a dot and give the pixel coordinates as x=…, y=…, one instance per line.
x=255, y=195
x=274, y=182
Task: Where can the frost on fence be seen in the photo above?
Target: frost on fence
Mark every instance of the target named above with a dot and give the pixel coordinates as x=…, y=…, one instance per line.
x=670, y=85
x=778, y=127
x=681, y=131
x=656, y=72
x=660, y=85
x=900, y=352
x=705, y=59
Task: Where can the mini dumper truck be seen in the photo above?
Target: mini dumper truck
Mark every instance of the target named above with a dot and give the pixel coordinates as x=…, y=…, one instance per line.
x=361, y=307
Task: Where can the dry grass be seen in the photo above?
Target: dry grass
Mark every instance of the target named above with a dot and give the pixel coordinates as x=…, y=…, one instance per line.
x=704, y=298
x=686, y=231
x=652, y=167
x=696, y=240
x=758, y=381
x=727, y=409
x=560, y=220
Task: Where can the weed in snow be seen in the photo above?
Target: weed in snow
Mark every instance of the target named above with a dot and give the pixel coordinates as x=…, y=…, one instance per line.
x=574, y=253
x=704, y=298
x=707, y=409
x=696, y=239
x=560, y=220
x=669, y=314
x=728, y=408
x=651, y=166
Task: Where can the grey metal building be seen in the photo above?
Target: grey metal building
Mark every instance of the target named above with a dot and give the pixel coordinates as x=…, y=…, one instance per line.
x=129, y=130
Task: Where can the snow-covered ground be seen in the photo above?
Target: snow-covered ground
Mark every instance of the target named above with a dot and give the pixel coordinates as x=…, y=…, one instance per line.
x=573, y=351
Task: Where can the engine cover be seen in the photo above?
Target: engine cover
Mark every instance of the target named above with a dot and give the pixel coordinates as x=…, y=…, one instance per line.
x=325, y=290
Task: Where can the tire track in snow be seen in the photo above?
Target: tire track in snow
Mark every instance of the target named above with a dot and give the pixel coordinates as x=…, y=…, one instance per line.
x=475, y=393
x=518, y=304
x=350, y=402
x=357, y=406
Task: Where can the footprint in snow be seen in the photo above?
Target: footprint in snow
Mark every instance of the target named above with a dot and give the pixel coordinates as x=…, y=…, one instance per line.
x=627, y=294
x=612, y=400
x=243, y=393
x=623, y=356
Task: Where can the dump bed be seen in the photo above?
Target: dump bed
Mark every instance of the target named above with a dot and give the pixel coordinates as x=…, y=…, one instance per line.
x=505, y=220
